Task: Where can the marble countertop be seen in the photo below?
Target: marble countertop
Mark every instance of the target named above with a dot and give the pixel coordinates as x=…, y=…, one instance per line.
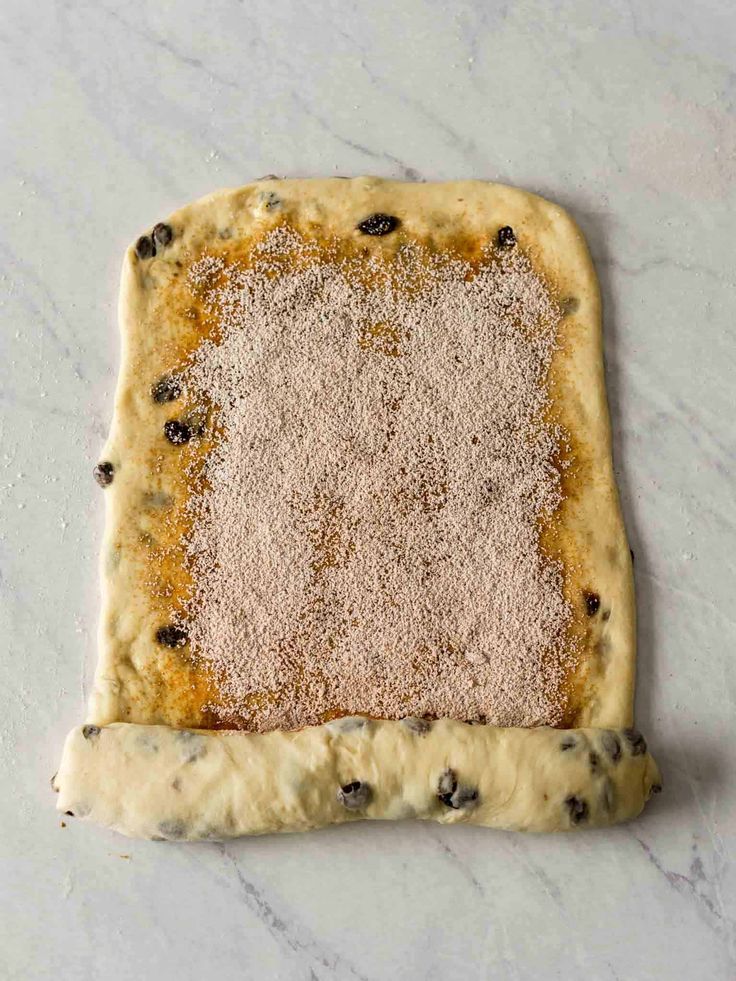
x=114, y=115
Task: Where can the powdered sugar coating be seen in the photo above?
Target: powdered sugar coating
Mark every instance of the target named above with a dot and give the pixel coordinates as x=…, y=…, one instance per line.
x=368, y=537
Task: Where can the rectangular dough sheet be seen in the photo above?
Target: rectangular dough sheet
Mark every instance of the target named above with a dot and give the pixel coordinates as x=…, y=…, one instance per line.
x=162, y=755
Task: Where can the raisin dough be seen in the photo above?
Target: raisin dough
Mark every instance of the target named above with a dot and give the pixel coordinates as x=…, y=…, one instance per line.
x=161, y=754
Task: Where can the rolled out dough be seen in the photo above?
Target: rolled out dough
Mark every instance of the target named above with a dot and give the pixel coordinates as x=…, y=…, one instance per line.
x=153, y=759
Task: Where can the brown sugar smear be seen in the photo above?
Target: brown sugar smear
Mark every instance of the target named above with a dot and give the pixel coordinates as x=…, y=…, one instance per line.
x=365, y=533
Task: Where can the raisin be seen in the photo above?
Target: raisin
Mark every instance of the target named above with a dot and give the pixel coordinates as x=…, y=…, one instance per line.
x=177, y=432
x=171, y=636
x=145, y=247
x=451, y=794
x=378, y=224
x=592, y=603
x=104, y=473
x=355, y=795
x=577, y=809
x=162, y=234
x=166, y=389
x=506, y=238
x=636, y=741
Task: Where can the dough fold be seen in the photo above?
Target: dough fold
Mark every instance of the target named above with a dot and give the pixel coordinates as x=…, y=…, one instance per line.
x=159, y=782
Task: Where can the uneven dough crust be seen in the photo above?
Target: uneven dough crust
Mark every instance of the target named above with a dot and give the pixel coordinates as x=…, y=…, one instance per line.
x=140, y=682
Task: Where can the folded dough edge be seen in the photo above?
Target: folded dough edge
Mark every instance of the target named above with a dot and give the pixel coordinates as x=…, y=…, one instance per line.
x=159, y=782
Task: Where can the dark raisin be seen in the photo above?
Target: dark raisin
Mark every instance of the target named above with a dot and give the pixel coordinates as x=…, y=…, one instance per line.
x=611, y=745
x=506, y=238
x=577, y=808
x=145, y=247
x=69, y=813
x=171, y=636
x=631, y=553
x=568, y=742
x=656, y=788
x=177, y=432
x=166, y=389
x=594, y=760
x=592, y=603
x=355, y=795
x=451, y=794
x=162, y=234
x=104, y=473
x=378, y=224
x=636, y=741
x=90, y=732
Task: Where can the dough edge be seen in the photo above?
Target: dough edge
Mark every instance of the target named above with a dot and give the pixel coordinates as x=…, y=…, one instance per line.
x=162, y=783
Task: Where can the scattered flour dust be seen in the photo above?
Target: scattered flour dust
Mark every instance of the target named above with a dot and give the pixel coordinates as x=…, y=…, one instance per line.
x=368, y=542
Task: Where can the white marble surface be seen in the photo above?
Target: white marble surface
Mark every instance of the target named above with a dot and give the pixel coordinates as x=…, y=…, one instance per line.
x=114, y=114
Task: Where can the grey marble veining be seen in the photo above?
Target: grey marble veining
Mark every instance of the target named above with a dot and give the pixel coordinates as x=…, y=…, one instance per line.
x=113, y=115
